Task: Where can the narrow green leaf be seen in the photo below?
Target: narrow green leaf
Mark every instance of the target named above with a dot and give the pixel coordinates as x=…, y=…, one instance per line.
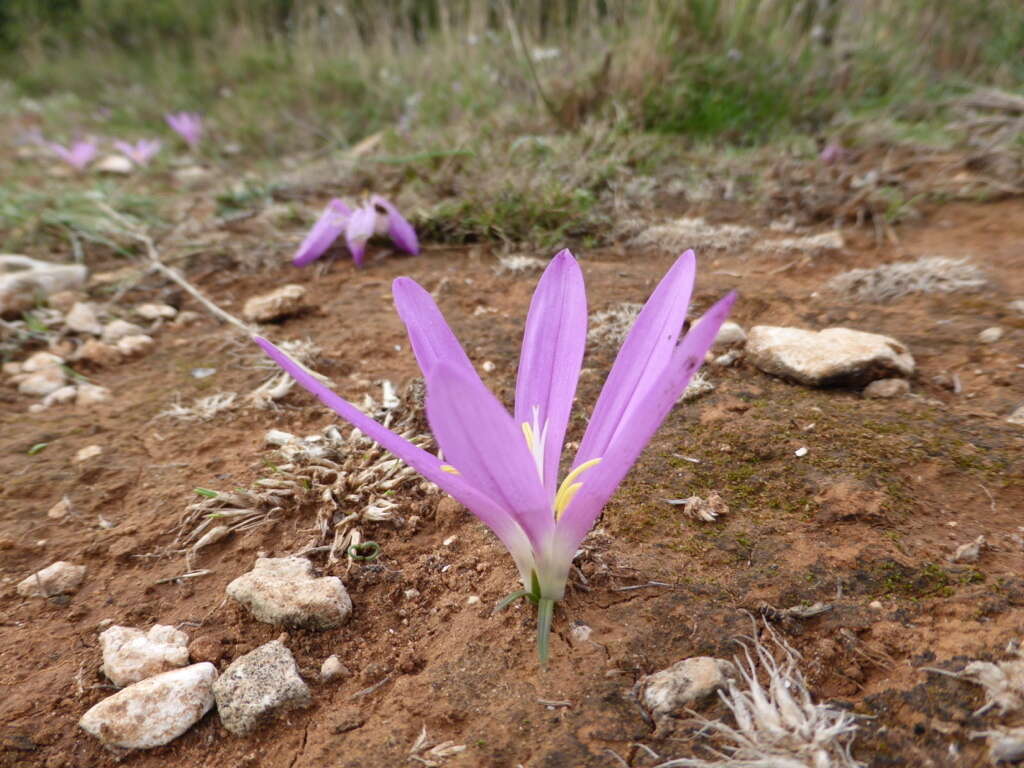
x=36, y=448
x=207, y=493
x=507, y=600
x=545, y=616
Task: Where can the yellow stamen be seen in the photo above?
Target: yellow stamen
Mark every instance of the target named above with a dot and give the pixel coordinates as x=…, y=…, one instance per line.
x=528, y=434
x=568, y=489
x=449, y=469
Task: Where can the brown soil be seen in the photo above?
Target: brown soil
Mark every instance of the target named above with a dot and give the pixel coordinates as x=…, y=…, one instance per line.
x=872, y=513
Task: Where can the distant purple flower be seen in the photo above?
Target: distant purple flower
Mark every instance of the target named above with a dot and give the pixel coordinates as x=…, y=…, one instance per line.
x=188, y=125
x=141, y=152
x=504, y=468
x=832, y=154
x=78, y=155
x=376, y=217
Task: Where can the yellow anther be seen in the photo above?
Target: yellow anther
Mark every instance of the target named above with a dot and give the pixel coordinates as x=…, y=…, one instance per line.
x=449, y=469
x=528, y=434
x=568, y=489
x=565, y=497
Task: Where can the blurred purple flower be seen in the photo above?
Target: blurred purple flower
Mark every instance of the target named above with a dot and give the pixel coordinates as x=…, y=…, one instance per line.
x=832, y=154
x=188, y=125
x=78, y=155
x=377, y=216
x=141, y=152
x=504, y=468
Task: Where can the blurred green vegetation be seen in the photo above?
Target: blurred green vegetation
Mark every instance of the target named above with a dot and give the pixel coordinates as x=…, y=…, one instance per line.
x=518, y=114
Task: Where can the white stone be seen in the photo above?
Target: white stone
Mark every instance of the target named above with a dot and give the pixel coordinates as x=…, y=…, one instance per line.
x=257, y=685
x=116, y=330
x=42, y=383
x=60, y=396
x=89, y=452
x=332, y=669
x=191, y=175
x=23, y=281
x=82, y=318
x=91, y=394
x=729, y=335
x=154, y=711
x=60, y=578
x=40, y=361
x=60, y=510
x=684, y=684
x=138, y=344
x=969, y=552
x=832, y=357
x=886, y=388
x=156, y=311
x=117, y=165
x=1017, y=417
x=991, y=335
x=131, y=655
x=286, y=300
x=11, y=368
x=1017, y=305
x=284, y=591
x=98, y=353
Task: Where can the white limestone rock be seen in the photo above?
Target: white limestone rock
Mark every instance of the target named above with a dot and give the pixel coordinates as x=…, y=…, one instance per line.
x=23, y=281
x=991, y=335
x=91, y=394
x=154, y=711
x=284, y=590
x=131, y=655
x=831, y=357
x=82, y=318
x=135, y=345
x=684, y=684
x=257, y=685
x=286, y=300
x=332, y=669
x=44, y=382
x=729, y=335
x=58, y=579
x=60, y=396
x=156, y=311
x=1017, y=417
x=882, y=389
x=40, y=361
x=115, y=165
x=98, y=353
x=116, y=330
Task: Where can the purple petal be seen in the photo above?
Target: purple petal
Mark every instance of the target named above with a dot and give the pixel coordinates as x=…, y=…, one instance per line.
x=600, y=482
x=326, y=230
x=399, y=229
x=479, y=439
x=486, y=509
x=643, y=357
x=431, y=337
x=358, y=230
x=125, y=148
x=549, y=366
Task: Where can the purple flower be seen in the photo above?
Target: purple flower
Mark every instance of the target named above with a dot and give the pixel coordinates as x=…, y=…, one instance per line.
x=376, y=217
x=78, y=155
x=504, y=468
x=188, y=125
x=832, y=154
x=141, y=152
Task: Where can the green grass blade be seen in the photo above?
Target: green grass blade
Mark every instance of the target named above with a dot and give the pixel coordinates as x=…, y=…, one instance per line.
x=507, y=600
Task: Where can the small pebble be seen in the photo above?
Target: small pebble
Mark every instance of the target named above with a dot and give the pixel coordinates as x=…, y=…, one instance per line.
x=89, y=452
x=991, y=335
x=800, y=452
x=332, y=669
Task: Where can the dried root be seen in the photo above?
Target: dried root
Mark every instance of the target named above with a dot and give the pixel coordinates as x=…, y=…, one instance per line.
x=778, y=725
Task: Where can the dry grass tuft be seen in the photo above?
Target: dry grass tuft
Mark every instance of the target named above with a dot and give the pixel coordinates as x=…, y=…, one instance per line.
x=925, y=275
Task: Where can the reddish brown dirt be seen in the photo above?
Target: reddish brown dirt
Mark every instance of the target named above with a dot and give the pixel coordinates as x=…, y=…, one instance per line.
x=872, y=513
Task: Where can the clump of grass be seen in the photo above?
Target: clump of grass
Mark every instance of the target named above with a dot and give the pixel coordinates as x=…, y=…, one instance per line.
x=923, y=276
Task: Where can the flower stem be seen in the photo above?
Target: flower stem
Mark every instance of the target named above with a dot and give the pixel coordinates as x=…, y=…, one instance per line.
x=545, y=615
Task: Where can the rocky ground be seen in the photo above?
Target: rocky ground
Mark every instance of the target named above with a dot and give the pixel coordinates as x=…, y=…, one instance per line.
x=833, y=513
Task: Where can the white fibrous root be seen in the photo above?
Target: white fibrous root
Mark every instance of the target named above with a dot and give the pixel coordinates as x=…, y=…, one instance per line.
x=778, y=724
